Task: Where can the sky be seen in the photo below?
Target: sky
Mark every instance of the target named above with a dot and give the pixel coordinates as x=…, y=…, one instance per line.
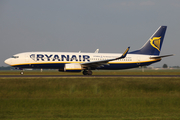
x=87, y=25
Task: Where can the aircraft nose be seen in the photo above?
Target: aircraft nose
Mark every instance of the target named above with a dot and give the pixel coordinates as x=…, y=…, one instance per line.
x=8, y=61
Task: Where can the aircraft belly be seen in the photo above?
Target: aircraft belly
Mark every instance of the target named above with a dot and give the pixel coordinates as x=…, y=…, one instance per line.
x=119, y=66
x=45, y=66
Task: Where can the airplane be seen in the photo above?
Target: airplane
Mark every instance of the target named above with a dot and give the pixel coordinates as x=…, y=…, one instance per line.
x=86, y=62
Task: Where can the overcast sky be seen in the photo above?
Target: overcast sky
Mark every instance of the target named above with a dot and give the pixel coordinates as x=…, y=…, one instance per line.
x=85, y=25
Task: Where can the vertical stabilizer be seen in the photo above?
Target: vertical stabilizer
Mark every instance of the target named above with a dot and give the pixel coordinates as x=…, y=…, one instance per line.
x=154, y=44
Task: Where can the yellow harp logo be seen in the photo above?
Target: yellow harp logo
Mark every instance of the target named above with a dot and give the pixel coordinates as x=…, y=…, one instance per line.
x=155, y=42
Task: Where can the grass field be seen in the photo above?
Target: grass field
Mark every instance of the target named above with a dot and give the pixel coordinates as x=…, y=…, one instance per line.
x=89, y=98
x=98, y=72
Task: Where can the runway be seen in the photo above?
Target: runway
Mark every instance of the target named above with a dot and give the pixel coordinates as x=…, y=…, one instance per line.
x=89, y=76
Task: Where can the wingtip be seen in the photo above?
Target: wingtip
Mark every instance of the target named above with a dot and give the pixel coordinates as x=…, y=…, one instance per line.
x=127, y=49
x=125, y=53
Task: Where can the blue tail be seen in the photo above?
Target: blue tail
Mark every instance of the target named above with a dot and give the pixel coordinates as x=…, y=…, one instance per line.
x=154, y=44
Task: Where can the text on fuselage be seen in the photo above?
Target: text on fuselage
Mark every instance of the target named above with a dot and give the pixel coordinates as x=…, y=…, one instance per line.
x=51, y=57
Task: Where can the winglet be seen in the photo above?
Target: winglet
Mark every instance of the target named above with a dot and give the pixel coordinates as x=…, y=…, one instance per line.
x=97, y=51
x=124, y=54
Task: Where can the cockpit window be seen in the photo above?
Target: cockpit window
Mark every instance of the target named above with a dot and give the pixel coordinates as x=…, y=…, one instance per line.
x=15, y=57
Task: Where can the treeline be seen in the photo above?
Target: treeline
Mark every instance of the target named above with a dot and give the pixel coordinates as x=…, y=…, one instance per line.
x=166, y=66
x=174, y=67
x=6, y=68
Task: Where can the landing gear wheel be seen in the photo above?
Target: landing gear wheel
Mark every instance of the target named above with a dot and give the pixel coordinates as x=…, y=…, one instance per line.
x=21, y=72
x=89, y=72
x=85, y=72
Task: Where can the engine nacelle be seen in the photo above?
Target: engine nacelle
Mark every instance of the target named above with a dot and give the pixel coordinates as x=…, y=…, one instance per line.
x=72, y=67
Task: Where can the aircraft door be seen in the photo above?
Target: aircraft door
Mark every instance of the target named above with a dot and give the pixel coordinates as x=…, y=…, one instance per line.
x=138, y=60
x=26, y=58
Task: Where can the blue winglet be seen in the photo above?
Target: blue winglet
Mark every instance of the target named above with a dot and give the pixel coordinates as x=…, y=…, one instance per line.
x=124, y=54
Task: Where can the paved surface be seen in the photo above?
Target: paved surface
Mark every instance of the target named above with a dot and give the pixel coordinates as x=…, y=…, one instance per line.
x=86, y=76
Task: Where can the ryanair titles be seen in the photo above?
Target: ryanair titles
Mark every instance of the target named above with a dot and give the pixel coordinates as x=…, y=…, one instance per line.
x=51, y=57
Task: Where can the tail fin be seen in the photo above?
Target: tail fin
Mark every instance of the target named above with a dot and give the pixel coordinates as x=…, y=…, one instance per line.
x=154, y=44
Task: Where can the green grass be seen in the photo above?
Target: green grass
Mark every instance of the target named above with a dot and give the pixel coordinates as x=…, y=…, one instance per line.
x=89, y=98
x=98, y=72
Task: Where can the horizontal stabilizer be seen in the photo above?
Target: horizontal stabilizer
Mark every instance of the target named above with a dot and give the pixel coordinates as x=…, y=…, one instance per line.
x=158, y=57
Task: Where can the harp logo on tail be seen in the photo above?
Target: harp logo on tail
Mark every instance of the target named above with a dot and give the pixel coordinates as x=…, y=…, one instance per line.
x=155, y=42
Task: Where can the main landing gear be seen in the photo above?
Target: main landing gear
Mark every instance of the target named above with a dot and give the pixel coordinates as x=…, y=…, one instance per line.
x=87, y=72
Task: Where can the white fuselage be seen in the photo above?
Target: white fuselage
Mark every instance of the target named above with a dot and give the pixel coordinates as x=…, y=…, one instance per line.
x=57, y=60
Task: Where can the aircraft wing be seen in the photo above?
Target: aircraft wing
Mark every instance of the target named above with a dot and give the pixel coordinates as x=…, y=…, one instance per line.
x=104, y=62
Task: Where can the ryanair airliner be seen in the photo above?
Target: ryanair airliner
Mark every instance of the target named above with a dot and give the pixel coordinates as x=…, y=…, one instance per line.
x=77, y=61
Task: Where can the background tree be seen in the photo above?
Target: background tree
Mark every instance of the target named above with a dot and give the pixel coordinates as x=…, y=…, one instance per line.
x=165, y=66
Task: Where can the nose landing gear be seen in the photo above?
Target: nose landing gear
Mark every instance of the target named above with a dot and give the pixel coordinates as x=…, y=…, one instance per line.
x=22, y=73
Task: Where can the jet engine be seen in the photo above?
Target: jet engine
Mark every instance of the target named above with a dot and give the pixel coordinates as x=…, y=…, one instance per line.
x=72, y=67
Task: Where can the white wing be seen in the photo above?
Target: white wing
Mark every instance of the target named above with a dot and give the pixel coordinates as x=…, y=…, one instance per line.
x=103, y=62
